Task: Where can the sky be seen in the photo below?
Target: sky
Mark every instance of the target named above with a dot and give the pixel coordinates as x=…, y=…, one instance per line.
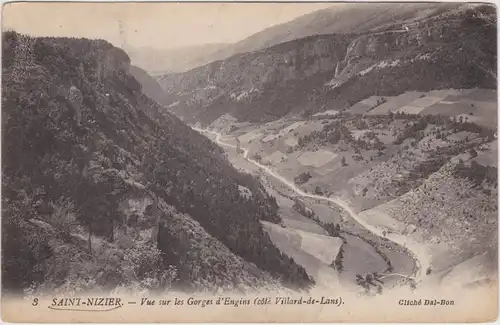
x=156, y=25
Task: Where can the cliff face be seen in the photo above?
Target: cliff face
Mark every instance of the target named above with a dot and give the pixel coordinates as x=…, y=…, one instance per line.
x=340, y=19
x=250, y=79
x=335, y=71
x=358, y=18
x=110, y=186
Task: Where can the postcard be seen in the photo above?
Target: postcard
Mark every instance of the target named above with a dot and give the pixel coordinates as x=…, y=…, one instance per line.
x=249, y=162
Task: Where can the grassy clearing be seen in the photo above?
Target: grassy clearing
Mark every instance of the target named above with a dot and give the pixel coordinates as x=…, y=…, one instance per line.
x=311, y=251
x=316, y=158
x=370, y=261
x=395, y=103
x=489, y=156
x=274, y=158
x=408, y=109
x=366, y=105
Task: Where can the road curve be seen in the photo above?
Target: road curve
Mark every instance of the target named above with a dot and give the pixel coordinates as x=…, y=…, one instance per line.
x=420, y=257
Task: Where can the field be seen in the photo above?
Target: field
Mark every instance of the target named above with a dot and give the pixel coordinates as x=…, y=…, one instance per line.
x=274, y=158
x=316, y=158
x=395, y=103
x=325, y=213
x=489, y=156
x=270, y=137
x=365, y=105
x=473, y=269
x=313, y=251
x=292, y=141
x=477, y=105
x=408, y=109
x=371, y=261
x=426, y=101
x=223, y=123
x=329, y=112
x=250, y=136
x=394, y=186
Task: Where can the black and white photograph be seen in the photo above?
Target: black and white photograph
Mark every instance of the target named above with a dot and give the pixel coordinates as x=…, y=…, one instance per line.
x=340, y=156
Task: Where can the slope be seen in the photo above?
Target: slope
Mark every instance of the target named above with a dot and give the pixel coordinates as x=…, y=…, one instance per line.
x=449, y=50
x=96, y=180
x=338, y=19
x=150, y=87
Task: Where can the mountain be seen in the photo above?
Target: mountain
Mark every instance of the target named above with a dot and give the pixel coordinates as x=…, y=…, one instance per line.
x=338, y=19
x=103, y=191
x=150, y=87
x=359, y=18
x=316, y=73
x=164, y=61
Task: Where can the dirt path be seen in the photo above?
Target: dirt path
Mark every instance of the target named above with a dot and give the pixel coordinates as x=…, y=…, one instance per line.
x=422, y=260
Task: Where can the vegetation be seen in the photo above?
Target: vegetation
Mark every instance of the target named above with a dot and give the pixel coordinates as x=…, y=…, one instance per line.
x=301, y=208
x=337, y=264
x=478, y=174
x=124, y=147
x=454, y=43
x=302, y=178
x=371, y=283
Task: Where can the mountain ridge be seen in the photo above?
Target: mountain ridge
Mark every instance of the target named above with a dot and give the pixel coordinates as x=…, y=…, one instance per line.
x=359, y=18
x=362, y=17
x=316, y=73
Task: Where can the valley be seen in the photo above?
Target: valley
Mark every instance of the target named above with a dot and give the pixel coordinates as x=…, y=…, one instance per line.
x=351, y=149
x=361, y=250
x=357, y=168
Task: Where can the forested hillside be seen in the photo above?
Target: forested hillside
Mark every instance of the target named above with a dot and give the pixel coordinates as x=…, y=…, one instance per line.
x=101, y=190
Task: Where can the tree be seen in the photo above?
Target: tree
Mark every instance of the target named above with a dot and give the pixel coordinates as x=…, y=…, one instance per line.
x=337, y=264
x=412, y=283
x=473, y=152
x=370, y=281
x=302, y=178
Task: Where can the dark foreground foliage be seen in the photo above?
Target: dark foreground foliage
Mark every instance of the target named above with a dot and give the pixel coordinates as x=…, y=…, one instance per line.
x=112, y=145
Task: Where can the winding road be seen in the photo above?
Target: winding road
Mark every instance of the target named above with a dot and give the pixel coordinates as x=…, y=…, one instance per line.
x=420, y=256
